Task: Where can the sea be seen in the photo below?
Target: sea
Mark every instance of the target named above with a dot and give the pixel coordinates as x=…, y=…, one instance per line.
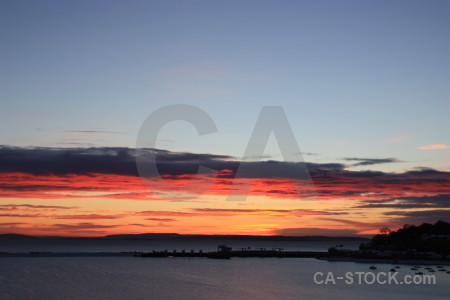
x=128, y=277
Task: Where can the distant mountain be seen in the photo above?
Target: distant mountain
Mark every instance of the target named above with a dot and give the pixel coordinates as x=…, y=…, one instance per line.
x=13, y=236
x=141, y=236
x=165, y=236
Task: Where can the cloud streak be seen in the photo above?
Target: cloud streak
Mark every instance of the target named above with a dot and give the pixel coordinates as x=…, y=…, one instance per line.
x=409, y=202
x=315, y=231
x=12, y=207
x=371, y=161
x=95, y=131
x=434, y=147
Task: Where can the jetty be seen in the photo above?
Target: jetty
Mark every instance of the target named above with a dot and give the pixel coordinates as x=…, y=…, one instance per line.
x=224, y=252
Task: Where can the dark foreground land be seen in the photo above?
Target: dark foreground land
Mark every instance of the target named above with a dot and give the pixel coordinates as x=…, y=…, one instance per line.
x=423, y=244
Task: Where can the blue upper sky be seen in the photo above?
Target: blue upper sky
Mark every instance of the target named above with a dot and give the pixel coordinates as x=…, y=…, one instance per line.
x=356, y=78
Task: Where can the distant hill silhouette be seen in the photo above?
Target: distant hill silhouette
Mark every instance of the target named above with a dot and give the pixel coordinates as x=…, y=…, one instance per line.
x=158, y=236
x=141, y=236
x=230, y=237
x=12, y=236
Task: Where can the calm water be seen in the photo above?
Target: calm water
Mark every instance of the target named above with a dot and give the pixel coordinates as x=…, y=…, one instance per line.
x=196, y=278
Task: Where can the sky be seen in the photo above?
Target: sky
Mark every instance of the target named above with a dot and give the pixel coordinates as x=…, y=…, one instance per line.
x=363, y=85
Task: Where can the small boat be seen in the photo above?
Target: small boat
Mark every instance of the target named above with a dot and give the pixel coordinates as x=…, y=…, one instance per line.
x=448, y=272
x=419, y=273
x=393, y=270
x=397, y=267
x=414, y=269
x=442, y=270
x=373, y=268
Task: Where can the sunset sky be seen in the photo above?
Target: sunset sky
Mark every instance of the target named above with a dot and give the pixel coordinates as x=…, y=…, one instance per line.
x=364, y=85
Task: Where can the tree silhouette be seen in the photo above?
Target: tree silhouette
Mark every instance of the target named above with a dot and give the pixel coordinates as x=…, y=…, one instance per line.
x=385, y=231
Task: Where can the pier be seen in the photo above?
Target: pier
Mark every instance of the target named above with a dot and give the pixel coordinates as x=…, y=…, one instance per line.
x=226, y=252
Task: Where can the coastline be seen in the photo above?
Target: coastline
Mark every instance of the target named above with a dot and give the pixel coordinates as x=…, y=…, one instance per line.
x=247, y=254
x=386, y=261
x=167, y=254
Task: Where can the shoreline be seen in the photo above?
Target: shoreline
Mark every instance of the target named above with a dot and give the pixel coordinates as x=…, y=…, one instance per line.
x=167, y=254
x=386, y=261
x=220, y=255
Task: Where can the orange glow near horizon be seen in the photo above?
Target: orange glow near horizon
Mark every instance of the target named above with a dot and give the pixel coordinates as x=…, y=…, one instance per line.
x=101, y=204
